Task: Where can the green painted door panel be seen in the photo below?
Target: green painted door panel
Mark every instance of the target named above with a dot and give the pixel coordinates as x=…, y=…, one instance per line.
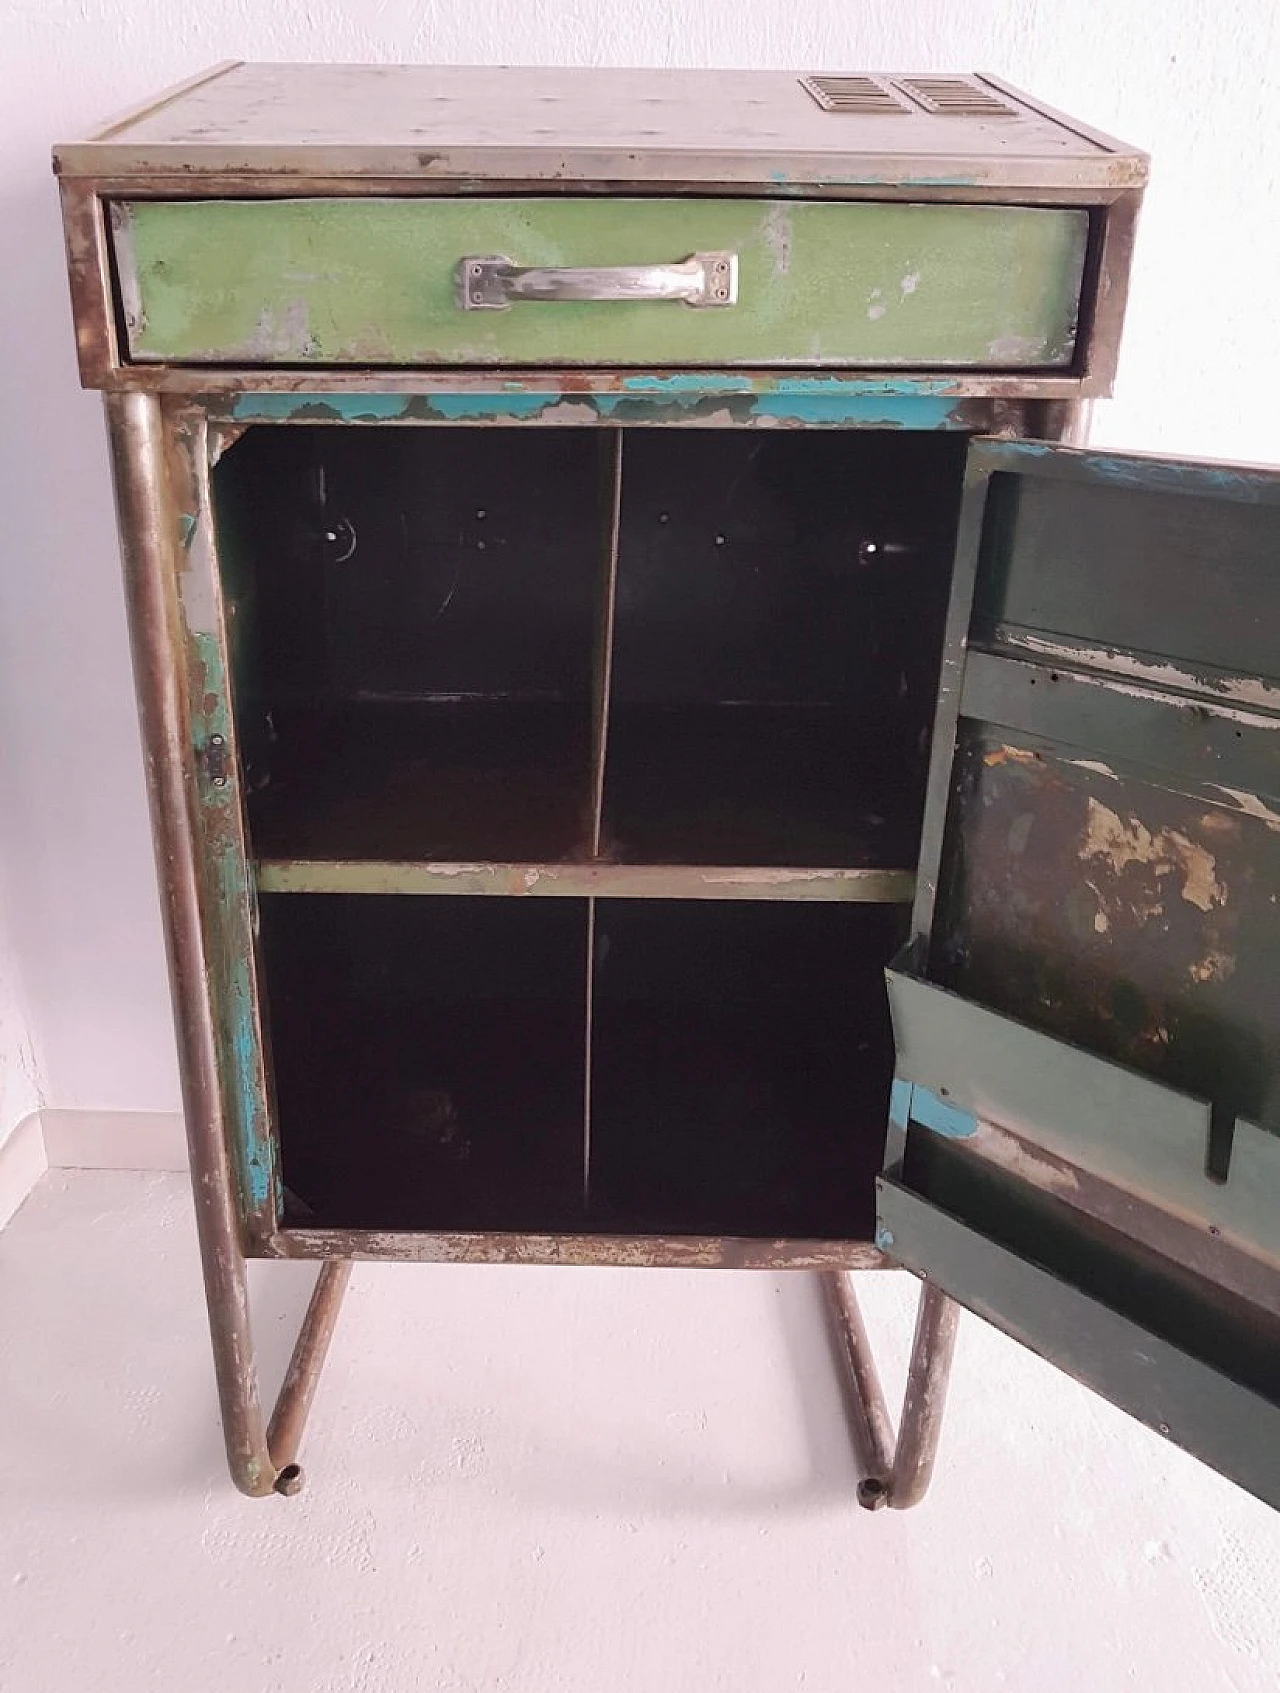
x=1085, y=1125
x=1158, y=1358
x=372, y=282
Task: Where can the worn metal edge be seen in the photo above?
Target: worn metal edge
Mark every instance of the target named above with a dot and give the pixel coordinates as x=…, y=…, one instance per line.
x=221, y=388
x=1108, y=143
x=1228, y=1426
x=116, y=121
x=610, y=167
x=635, y=1250
x=1143, y=472
x=579, y=881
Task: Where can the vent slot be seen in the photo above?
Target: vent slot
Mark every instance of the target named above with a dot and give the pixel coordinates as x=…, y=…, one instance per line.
x=956, y=97
x=854, y=94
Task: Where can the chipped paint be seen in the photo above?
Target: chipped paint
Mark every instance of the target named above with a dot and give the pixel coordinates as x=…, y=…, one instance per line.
x=682, y=1252
x=709, y=401
x=1011, y=755
x=1027, y=349
x=1166, y=852
x=775, y=232
x=575, y=881
x=1164, y=673
x=1249, y=804
x=1010, y=1148
x=1213, y=967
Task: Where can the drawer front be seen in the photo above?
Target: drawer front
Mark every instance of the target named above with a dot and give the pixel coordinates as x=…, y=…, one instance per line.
x=375, y=282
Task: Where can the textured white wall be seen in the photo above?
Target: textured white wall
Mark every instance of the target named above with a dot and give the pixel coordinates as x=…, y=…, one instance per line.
x=1199, y=85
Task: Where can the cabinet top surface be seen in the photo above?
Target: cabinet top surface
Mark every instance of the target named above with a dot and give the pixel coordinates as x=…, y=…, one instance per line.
x=509, y=124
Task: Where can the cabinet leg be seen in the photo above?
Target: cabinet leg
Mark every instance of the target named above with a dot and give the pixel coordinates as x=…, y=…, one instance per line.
x=895, y=1472
x=925, y=1402
x=265, y=1460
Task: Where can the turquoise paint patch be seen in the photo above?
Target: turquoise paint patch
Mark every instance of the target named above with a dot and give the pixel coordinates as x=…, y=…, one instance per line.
x=884, y=1240
x=830, y=400
x=186, y=529
x=940, y=1115
x=457, y=407
x=900, y=1103
x=238, y=1042
x=857, y=411
x=350, y=408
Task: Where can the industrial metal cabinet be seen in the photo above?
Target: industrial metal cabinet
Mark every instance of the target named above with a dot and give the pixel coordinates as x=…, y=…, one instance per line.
x=548, y=506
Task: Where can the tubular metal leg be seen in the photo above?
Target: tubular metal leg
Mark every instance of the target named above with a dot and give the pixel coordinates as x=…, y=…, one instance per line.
x=870, y=1429
x=289, y=1419
x=925, y=1402
x=261, y=1462
x=894, y=1472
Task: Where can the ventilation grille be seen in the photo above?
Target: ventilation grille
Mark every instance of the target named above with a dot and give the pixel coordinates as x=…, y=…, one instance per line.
x=956, y=97
x=854, y=94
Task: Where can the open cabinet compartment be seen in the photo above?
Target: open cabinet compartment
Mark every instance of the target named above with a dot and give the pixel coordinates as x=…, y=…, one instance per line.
x=428, y=1059
x=779, y=611
x=740, y=1066
x=467, y=646
x=414, y=623
x=645, y=646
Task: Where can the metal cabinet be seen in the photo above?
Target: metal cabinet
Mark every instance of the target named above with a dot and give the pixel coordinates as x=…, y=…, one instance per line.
x=568, y=612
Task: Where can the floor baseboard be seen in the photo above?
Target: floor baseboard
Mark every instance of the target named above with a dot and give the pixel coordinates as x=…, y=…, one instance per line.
x=22, y=1163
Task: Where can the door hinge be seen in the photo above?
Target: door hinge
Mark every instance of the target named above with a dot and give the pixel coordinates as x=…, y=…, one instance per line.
x=216, y=760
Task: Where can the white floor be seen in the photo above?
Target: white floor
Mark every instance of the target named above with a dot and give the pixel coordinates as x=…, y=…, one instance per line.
x=551, y=1480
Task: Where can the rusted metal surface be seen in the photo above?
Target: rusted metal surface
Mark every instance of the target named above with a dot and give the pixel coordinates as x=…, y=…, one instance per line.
x=89, y=277
x=690, y=1252
x=870, y=1429
x=222, y=863
x=928, y=1376
x=298, y=1391
x=496, y=124
x=1104, y=294
x=577, y=881
x=148, y=530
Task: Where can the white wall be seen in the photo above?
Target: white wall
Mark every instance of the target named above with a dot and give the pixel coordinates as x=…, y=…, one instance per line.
x=19, y=1087
x=1198, y=84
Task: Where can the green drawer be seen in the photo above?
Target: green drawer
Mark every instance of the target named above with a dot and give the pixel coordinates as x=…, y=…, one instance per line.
x=374, y=282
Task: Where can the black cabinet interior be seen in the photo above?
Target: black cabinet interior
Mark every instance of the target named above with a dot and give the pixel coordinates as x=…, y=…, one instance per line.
x=539, y=646
x=439, y=631
x=740, y=1065
x=430, y=1060
x=780, y=606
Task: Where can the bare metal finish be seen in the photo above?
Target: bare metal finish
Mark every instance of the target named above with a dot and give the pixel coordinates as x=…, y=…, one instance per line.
x=870, y=1429
x=492, y=124
x=148, y=527
x=289, y=1419
x=703, y=279
x=147, y=520
x=897, y=1471
x=926, y=1399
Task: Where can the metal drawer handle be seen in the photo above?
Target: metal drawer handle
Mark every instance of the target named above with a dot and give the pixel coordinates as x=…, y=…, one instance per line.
x=703, y=279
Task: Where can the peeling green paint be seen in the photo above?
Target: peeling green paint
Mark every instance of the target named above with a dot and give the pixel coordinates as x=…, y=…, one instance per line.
x=364, y=281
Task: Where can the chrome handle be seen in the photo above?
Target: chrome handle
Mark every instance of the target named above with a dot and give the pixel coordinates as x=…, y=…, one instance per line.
x=703, y=279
